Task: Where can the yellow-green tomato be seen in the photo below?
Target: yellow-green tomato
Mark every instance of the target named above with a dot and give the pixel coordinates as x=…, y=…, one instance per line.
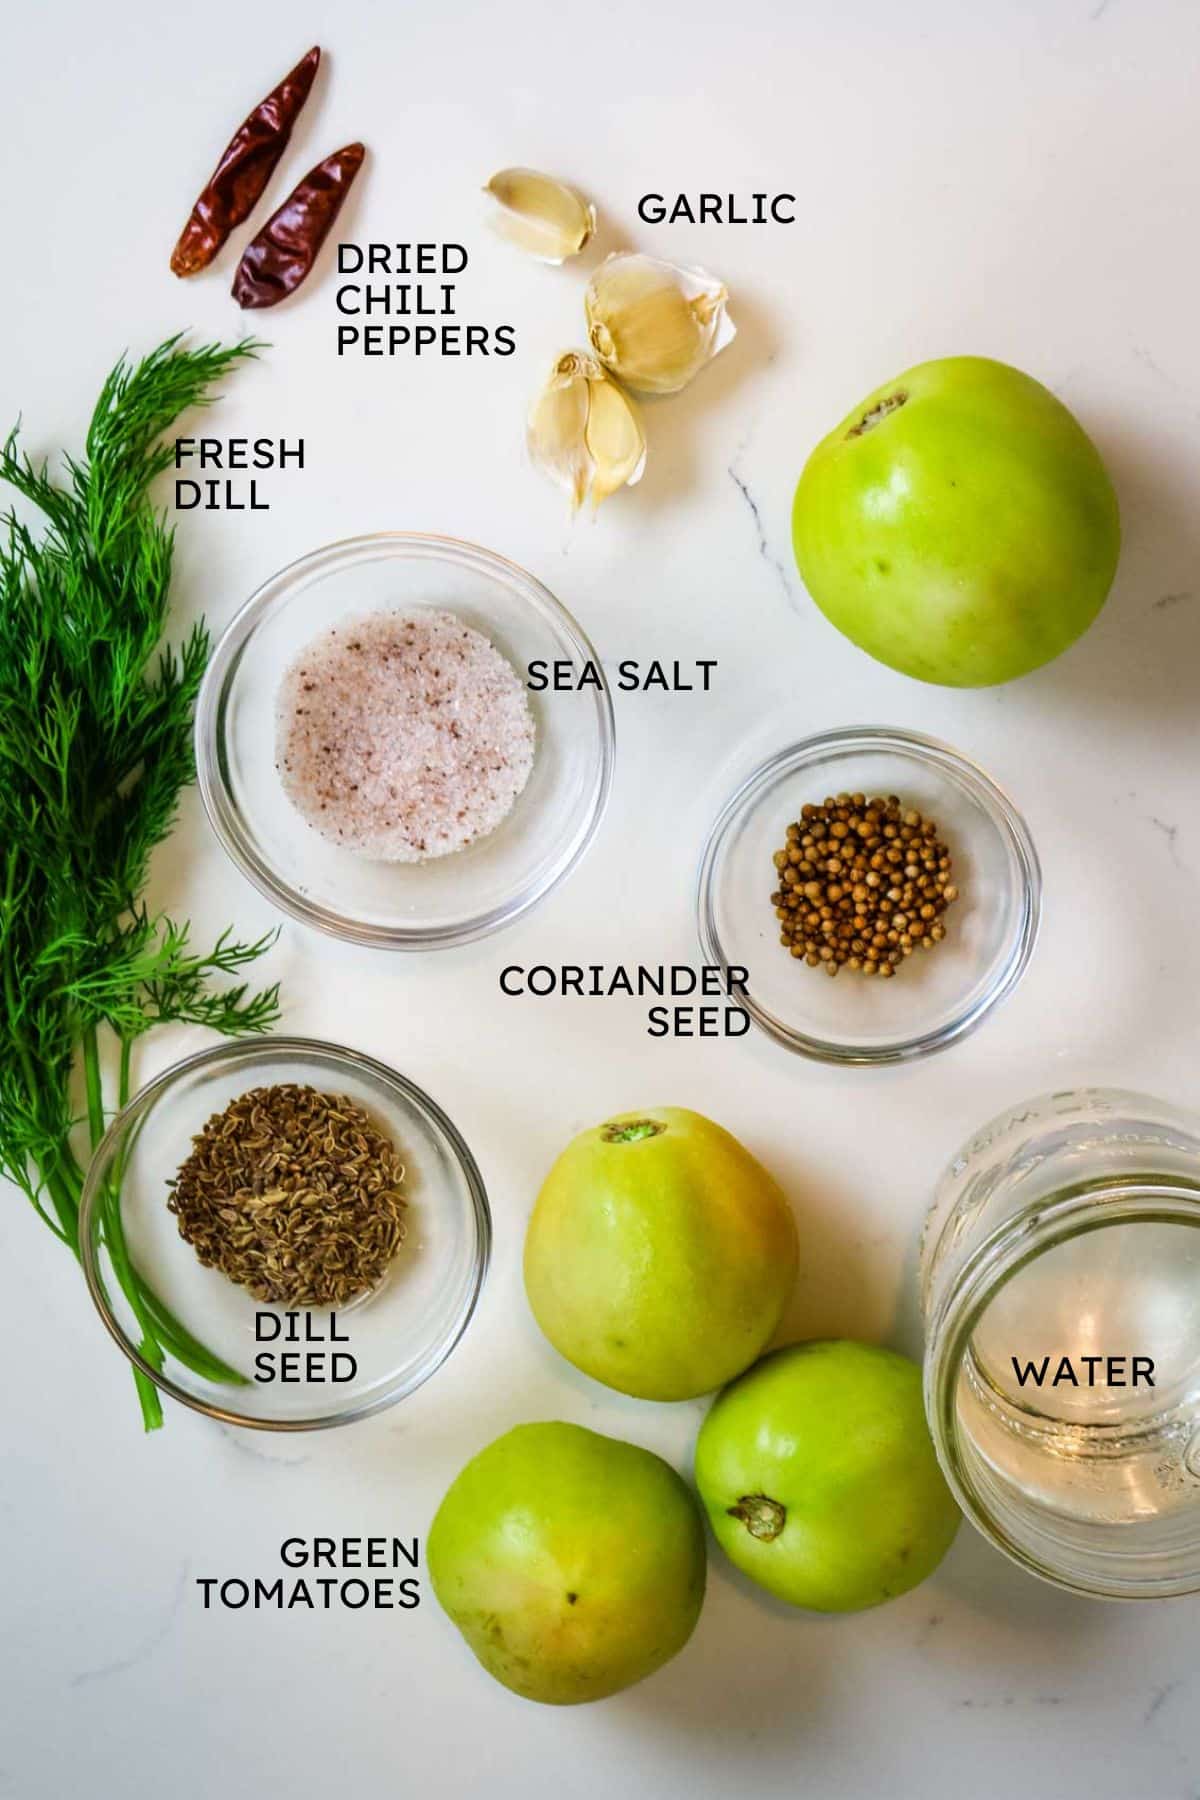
x=959, y=524
x=820, y=1479
x=660, y=1255
x=573, y=1564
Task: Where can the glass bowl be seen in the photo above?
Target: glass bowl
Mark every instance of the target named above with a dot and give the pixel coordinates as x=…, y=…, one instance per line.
x=396, y=1336
x=936, y=996
x=401, y=906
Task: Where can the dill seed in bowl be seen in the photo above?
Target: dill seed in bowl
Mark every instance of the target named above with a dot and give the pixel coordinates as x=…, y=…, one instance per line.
x=862, y=884
x=403, y=736
x=293, y=1194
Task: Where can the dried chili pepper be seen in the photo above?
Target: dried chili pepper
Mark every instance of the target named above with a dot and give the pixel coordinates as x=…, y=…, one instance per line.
x=283, y=253
x=247, y=162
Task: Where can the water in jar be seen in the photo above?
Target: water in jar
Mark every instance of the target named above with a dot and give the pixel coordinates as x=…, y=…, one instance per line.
x=1117, y=1453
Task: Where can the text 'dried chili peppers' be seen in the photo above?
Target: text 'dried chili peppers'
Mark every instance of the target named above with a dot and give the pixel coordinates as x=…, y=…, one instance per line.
x=237, y=183
x=283, y=253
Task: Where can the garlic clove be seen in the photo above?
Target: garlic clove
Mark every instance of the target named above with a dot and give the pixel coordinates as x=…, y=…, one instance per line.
x=557, y=429
x=540, y=215
x=653, y=324
x=615, y=439
x=584, y=431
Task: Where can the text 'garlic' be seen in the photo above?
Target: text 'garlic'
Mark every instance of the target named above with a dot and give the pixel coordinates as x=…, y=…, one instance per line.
x=584, y=432
x=655, y=325
x=540, y=215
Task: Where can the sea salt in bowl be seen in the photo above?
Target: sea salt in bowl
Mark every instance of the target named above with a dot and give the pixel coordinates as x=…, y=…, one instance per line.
x=448, y=899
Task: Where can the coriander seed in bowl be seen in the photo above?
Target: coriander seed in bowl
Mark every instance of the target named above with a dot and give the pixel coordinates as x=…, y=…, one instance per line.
x=862, y=883
x=872, y=854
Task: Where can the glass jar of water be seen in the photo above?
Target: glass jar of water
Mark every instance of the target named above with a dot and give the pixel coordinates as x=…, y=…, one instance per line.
x=1060, y=1275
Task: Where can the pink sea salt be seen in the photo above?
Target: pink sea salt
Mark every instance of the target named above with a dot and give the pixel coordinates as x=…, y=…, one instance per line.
x=403, y=736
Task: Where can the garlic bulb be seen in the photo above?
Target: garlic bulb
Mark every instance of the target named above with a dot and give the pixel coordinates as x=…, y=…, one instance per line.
x=538, y=214
x=584, y=431
x=655, y=325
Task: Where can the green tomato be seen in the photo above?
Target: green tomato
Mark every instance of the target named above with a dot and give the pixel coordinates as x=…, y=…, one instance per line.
x=820, y=1479
x=660, y=1255
x=573, y=1564
x=959, y=525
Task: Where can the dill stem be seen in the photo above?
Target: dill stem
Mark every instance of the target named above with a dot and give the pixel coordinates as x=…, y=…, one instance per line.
x=66, y=1205
x=161, y=1330
x=94, y=1085
x=123, y=1076
x=72, y=1170
x=114, y=1238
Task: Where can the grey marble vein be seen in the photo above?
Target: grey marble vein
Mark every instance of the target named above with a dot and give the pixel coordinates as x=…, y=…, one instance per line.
x=145, y=1649
x=1164, y=375
x=987, y=1704
x=1159, y=1698
x=1171, y=833
x=239, y=1442
x=764, y=548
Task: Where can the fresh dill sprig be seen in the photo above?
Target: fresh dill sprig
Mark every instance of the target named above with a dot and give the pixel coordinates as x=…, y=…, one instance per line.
x=95, y=746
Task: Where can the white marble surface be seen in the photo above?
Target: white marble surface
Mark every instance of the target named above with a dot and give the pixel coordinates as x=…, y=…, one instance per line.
x=1013, y=177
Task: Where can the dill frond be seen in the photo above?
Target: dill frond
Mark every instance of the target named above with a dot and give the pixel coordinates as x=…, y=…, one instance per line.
x=95, y=747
